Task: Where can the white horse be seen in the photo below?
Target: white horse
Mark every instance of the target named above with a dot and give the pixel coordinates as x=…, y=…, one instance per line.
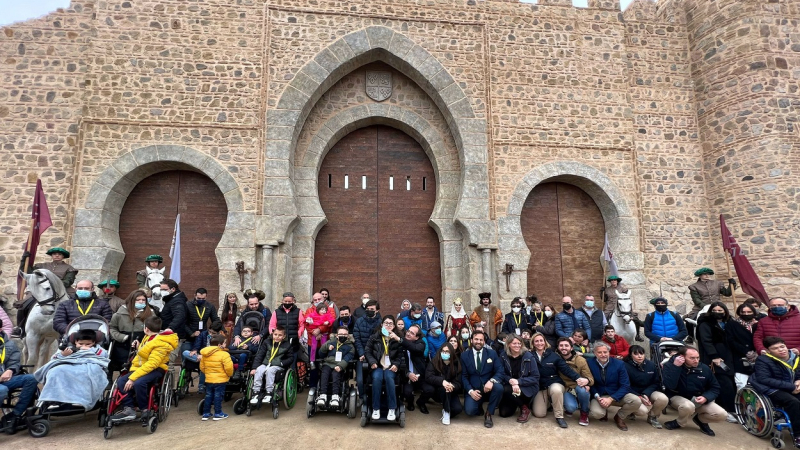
x=154, y=279
x=621, y=319
x=48, y=290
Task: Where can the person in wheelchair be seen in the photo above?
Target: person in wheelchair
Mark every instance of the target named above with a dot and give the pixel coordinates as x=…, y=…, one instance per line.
x=274, y=354
x=245, y=348
x=147, y=367
x=77, y=374
x=11, y=379
x=777, y=376
x=384, y=354
x=336, y=357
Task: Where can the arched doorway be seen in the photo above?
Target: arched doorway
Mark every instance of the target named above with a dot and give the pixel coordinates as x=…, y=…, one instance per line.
x=564, y=230
x=147, y=224
x=377, y=189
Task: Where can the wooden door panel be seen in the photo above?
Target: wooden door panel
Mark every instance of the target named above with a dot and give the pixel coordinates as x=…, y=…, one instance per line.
x=540, y=229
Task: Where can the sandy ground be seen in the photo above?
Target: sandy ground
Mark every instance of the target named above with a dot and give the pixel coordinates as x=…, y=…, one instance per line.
x=184, y=430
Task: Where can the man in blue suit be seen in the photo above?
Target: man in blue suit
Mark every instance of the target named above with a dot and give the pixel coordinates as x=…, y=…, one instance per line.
x=483, y=376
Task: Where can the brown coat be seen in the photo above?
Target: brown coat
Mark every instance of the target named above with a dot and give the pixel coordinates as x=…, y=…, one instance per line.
x=579, y=365
x=479, y=315
x=707, y=292
x=63, y=271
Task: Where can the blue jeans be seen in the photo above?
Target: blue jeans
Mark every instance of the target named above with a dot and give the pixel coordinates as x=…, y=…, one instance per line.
x=141, y=387
x=214, y=393
x=379, y=376
x=360, y=379
x=195, y=359
x=242, y=360
x=27, y=383
x=571, y=403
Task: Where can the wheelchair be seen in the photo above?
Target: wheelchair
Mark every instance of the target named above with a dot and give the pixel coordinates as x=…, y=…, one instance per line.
x=760, y=418
x=366, y=407
x=235, y=385
x=185, y=379
x=348, y=395
x=285, y=390
x=11, y=400
x=160, y=399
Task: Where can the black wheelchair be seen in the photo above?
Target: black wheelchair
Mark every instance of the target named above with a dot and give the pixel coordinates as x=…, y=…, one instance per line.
x=366, y=407
x=348, y=396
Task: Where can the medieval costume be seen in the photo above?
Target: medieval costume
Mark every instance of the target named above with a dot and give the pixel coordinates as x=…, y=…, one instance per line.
x=610, y=298
x=152, y=272
x=487, y=315
x=109, y=288
x=456, y=319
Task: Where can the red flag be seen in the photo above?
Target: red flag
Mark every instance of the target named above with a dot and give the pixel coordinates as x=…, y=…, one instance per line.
x=40, y=221
x=744, y=270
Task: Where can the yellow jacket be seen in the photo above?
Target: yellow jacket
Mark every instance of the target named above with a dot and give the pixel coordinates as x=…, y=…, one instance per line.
x=216, y=364
x=152, y=354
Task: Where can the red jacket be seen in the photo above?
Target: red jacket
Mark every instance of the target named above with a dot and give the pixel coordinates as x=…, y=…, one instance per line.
x=619, y=347
x=787, y=327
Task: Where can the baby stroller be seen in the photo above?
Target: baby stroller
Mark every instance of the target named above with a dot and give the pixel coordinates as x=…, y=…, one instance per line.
x=661, y=352
x=241, y=379
x=39, y=422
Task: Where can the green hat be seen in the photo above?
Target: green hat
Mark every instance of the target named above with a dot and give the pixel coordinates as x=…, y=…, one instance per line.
x=114, y=283
x=614, y=278
x=703, y=271
x=58, y=250
x=154, y=258
x=658, y=299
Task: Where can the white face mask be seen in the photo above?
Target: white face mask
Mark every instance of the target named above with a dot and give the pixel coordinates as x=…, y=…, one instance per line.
x=364, y=301
x=548, y=313
x=516, y=310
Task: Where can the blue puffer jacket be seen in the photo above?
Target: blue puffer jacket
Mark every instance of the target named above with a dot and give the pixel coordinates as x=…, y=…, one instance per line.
x=668, y=324
x=434, y=342
x=771, y=376
x=566, y=324
x=363, y=330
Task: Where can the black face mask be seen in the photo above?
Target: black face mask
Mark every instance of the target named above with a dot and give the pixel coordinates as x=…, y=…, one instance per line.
x=342, y=339
x=199, y=301
x=288, y=305
x=344, y=319
x=718, y=315
x=661, y=308
x=370, y=314
x=746, y=317
x=567, y=306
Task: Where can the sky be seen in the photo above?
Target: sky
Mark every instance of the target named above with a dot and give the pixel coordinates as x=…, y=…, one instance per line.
x=18, y=10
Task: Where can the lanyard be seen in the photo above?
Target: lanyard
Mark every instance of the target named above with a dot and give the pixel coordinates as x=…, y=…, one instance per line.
x=517, y=320
x=87, y=309
x=385, y=346
x=792, y=367
x=198, y=312
x=245, y=342
x=539, y=316
x=3, y=355
x=338, y=344
x=273, y=352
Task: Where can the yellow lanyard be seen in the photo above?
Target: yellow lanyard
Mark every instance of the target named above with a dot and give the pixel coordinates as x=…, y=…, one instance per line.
x=198, y=312
x=539, y=318
x=793, y=367
x=245, y=342
x=338, y=344
x=517, y=320
x=385, y=346
x=87, y=309
x=3, y=355
x=273, y=352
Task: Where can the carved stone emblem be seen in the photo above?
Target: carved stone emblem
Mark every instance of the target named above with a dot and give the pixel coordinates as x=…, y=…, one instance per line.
x=379, y=85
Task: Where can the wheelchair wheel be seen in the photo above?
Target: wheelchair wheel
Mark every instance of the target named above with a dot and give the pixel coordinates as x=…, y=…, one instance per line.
x=351, y=404
x=290, y=389
x=402, y=420
x=777, y=443
x=152, y=425
x=754, y=412
x=183, y=383
x=39, y=428
x=275, y=412
x=107, y=432
x=200, y=407
x=363, y=419
x=239, y=406
x=165, y=397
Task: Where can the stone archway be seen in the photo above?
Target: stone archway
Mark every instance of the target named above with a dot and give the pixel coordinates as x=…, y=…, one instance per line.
x=312, y=216
x=97, y=251
x=622, y=226
x=377, y=43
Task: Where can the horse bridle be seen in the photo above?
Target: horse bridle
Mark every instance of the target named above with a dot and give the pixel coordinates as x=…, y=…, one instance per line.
x=621, y=314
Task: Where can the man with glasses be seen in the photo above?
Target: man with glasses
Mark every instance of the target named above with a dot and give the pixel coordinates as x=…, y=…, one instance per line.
x=414, y=348
x=84, y=302
x=692, y=389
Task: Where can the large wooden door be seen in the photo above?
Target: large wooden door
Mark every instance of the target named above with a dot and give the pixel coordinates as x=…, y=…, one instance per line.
x=147, y=223
x=377, y=238
x=564, y=231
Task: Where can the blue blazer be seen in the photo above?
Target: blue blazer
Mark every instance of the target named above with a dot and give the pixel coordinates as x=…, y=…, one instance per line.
x=469, y=373
x=616, y=385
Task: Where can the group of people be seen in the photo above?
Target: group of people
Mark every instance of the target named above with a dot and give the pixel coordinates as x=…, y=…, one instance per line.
x=523, y=362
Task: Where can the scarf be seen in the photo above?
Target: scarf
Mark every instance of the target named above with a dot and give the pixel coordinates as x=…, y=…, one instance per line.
x=748, y=325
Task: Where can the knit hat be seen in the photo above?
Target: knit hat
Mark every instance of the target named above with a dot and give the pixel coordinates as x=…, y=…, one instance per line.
x=435, y=324
x=659, y=299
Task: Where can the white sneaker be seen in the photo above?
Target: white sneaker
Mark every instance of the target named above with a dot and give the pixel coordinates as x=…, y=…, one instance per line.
x=390, y=415
x=321, y=400
x=376, y=414
x=268, y=398
x=731, y=418
x=445, y=418
x=335, y=401
x=254, y=400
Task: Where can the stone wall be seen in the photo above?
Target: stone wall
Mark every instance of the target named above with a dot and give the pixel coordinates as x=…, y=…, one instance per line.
x=681, y=111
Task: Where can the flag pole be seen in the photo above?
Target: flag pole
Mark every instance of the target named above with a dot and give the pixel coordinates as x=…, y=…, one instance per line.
x=26, y=261
x=733, y=288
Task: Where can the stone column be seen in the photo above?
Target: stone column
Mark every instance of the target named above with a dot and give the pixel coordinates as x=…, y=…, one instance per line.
x=265, y=274
x=486, y=270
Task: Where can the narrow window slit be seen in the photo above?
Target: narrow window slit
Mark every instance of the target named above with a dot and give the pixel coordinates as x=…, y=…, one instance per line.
x=330, y=180
x=424, y=183
x=408, y=183
x=346, y=181
x=391, y=182
x=363, y=182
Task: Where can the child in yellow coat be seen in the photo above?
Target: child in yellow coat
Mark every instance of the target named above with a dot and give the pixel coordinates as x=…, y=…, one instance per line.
x=216, y=364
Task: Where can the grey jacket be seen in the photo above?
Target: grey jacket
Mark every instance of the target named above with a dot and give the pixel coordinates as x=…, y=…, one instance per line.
x=13, y=358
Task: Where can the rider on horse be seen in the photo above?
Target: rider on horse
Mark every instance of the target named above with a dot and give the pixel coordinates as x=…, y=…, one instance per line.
x=152, y=272
x=61, y=269
x=609, y=294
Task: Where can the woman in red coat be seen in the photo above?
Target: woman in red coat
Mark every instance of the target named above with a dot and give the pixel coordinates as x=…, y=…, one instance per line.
x=456, y=319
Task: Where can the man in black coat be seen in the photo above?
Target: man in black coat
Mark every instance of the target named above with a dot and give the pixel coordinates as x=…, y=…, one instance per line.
x=174, y=314
x=692, y=389
x=201, y=314
x=414, y=346
x=84, y=302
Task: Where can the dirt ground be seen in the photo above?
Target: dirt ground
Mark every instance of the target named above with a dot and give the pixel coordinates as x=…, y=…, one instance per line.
x=184, y=430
